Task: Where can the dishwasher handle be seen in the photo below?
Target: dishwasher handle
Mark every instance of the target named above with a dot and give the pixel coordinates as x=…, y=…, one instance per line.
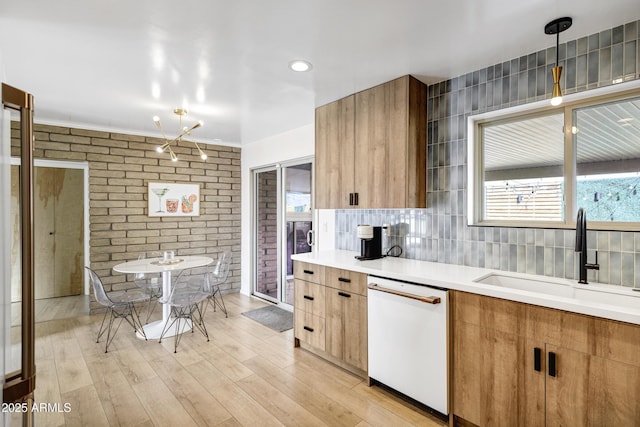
x=428, y=300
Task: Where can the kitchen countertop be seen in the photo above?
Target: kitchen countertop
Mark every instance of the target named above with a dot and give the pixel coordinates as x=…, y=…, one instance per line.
x=461, y=278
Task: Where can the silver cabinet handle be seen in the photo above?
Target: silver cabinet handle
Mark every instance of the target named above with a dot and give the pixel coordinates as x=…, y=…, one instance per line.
x=310, y=237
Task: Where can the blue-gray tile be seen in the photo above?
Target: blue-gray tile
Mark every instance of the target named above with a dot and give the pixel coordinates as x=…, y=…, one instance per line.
x=581, y=70
x=615, y=268
x=630, y=59
x=594, y=42
x=592, y=63
x=616, y=62
x=605, y=38
x=627, y=270
x=558, y=268
x=627, y=241
x=549, y=262
x=605, y=65
x=603, y=274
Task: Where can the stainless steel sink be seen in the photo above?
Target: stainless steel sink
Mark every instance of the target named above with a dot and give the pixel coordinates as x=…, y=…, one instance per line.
x=618, y=296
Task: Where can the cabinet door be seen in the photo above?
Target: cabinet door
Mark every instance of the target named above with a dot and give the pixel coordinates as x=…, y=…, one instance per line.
x=492, y=385
x=590, y=390
x=334, y=153
x=391, y=145
x=494, y=376
x=374, y=129
x=346, y=327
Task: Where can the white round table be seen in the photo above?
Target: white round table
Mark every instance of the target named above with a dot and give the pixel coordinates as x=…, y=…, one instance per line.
x=153, y=330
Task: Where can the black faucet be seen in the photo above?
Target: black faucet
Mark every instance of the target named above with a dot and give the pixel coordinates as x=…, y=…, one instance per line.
x=581, y=246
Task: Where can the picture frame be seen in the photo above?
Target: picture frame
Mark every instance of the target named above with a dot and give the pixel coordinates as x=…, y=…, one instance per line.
x=169, y=199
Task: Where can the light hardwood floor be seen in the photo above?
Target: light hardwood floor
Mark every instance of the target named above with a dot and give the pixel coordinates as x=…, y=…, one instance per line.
x=247, y=375
x=53, y=308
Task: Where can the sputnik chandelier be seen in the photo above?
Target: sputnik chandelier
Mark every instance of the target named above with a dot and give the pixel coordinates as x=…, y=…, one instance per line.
x=180, y=112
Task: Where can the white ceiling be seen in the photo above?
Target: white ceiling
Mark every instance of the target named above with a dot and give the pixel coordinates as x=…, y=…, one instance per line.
x=95, y=64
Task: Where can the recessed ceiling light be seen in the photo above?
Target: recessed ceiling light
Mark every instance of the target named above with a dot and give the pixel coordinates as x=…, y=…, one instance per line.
x=300, y=65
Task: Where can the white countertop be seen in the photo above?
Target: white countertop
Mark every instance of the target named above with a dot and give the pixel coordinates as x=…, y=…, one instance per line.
x=461, y=278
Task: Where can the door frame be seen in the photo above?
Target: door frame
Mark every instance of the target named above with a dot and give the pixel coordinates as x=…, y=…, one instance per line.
x=66, y=164
x=254, y=231
x=281, y=223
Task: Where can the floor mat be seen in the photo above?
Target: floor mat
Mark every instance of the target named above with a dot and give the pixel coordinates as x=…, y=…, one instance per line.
x=273, y=317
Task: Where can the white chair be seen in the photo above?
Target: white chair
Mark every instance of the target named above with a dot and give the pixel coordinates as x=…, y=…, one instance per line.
x=216, y=277
x=119, y=305
x=186, y=298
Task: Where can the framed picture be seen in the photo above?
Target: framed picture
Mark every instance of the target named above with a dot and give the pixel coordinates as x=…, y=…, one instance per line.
x=167, y=199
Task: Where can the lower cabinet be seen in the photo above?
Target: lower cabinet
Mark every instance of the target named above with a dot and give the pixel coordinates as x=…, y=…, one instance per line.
x=346, y=327
x=332, y=316
x=524, y=365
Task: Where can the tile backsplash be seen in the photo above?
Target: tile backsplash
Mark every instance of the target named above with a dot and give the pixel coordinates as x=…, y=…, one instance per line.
x=440, y=232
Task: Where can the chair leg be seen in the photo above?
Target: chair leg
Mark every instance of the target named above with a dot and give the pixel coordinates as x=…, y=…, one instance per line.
x=168, y=325
x=197, y=320
x=151, y=306
x=101, y=331
x=220, y=303
x=111, y=334
x=136, y=322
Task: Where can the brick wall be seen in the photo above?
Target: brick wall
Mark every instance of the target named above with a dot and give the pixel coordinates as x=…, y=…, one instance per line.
x=120, y=167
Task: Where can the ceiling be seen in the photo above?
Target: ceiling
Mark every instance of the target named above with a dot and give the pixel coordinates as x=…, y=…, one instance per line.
x=114, y=64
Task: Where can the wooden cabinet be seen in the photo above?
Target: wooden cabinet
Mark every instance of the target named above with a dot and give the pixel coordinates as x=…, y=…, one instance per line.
x=334, y=154
x=518, y=364
x=346, y=317
x=331, y=316
x=371, y=148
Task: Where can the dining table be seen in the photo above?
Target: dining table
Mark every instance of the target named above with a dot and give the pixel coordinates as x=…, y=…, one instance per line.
x=154, y=330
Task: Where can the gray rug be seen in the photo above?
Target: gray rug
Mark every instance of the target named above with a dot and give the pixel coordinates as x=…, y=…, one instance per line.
x=272, y=317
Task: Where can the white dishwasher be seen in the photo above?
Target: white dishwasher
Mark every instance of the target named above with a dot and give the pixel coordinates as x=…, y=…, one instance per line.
x=408, y=339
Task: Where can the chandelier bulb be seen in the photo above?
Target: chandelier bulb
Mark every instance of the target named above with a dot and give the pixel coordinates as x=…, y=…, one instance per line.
x=203, y=156
x=156, y=119
x=159, y=149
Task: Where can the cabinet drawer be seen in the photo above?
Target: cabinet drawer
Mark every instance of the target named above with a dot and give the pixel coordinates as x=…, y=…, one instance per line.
x=309, y=297
x=346, y=280
x=309, y=328
x=309, y=272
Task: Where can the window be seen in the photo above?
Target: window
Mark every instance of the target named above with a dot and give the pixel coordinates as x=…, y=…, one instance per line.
x=536, y=165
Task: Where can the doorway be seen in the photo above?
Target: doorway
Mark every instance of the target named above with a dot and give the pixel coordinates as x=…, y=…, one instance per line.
x=283, y=226
x=60, y=236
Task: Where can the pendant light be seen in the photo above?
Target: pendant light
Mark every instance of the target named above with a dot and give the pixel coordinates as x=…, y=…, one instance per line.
x=184, y=131
x=556, y=27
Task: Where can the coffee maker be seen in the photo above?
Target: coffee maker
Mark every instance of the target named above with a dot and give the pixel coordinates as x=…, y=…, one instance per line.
x=370, y=242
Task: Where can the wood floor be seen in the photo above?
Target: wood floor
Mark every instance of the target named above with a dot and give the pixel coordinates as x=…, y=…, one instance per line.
x=247, y=375
x=53, y=308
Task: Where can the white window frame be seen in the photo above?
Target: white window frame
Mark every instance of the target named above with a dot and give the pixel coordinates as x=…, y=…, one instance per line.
x=475, y=165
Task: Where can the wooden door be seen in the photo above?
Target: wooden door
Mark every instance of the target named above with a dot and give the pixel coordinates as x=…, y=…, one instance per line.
x=589, y=390
x=59, y=232
x=373, y=130
x=391, y=144
x=494, y=380
x=346, y=327
x=355, y=332
x=69, y=232
x=334, y=318
x=334, y=154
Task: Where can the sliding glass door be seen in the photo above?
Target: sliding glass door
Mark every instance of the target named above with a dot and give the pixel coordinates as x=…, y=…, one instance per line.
x=297, y=180
x=282, y=226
